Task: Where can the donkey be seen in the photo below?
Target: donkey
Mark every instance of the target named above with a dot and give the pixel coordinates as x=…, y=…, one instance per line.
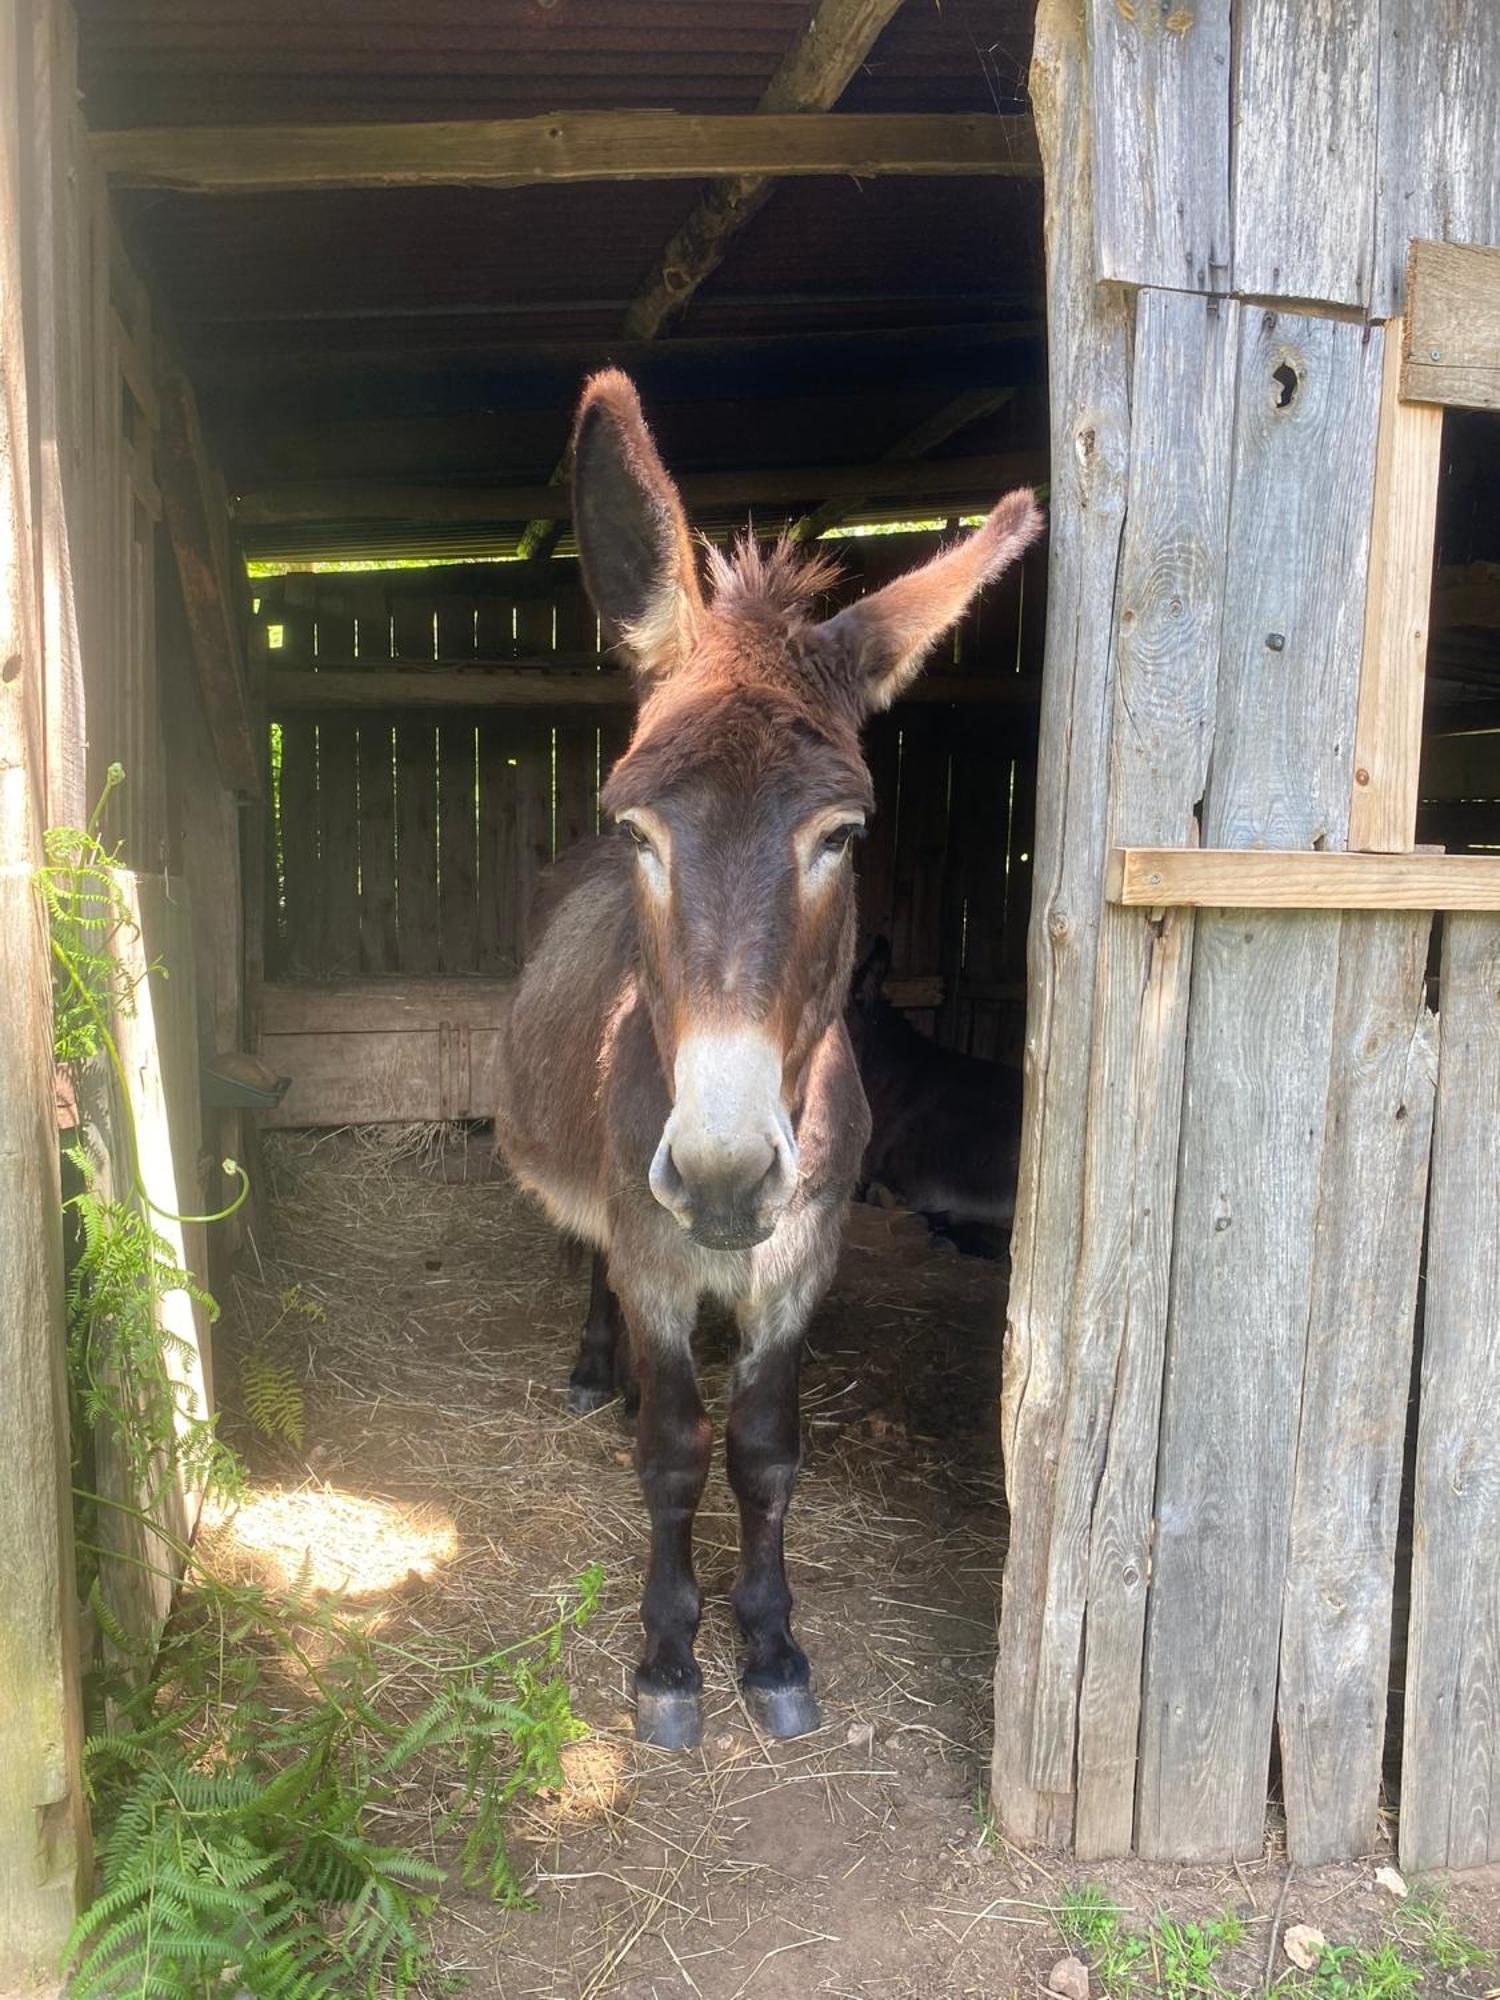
x=677, y=1083
x=945, y=1127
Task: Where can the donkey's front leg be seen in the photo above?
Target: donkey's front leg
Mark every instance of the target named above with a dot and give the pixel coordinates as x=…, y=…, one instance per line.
x=602, y=1370
x=764, y=1447
x=672, y=1446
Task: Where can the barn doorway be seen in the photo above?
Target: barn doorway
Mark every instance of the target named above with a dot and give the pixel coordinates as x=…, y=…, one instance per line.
x=386, y=378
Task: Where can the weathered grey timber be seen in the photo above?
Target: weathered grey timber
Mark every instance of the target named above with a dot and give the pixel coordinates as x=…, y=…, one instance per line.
x=1450, y=1780
x=1160, y=84
x=1090, y=414
x=1336, y=1613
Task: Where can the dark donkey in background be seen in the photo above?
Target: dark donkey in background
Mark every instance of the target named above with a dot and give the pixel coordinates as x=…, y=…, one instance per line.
x=678, y=1084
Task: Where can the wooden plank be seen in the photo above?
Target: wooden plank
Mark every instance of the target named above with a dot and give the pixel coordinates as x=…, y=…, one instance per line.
x=562, y=147
x=1159, y=98
x=416, y=846
x=1372, y=1187
x=1450, y=1780
x=1463, y=767
x=499, y=926
x=1393, y=673
x=1304, y=152
x=1089, y=383
x=576, y=748
x=980, y=480
x=1296, y=879
x=1169, y=609
x=921, y=845
x=530, y=778
x=368, y=1006
x=495, y=683
x=1452, y=349
x=458, y=891
x=44, y=1861
x=301, y=865
x=396, y=1076
x=1255, y=1089
x=338, y=820
x=195, y=520
x=1439, y=113
x=379, y=949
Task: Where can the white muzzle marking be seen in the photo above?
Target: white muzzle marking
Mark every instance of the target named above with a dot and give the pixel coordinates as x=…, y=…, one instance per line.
x=727, y=1162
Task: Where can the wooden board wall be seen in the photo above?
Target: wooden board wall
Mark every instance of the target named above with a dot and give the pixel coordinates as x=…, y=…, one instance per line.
x=406, y=842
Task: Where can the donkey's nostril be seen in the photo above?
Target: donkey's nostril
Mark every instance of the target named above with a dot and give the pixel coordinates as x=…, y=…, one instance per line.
x=667, y=1183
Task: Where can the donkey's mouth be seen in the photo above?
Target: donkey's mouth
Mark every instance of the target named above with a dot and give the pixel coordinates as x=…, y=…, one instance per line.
x=712, y=1233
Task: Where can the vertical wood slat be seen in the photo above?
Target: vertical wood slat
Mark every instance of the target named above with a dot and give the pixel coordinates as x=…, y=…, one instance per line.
x=43, y=1821
x=338, y=820
x=1450, y=1775
x=1439, y=113
x=1305, y=149
x=496, y=860
x=875, y=857
x=1393, y=675
x=1256, y=1086
x=1159, y=86
x=1089, y=384
x=1372, y=1185
x=576, y=747
x=1170, y=605
x=457, y=886
x=417, y=846
x=301, y=867
x=379, y=949
x=921, y=843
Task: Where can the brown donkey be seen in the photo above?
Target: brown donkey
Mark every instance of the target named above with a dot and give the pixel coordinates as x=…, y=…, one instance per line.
x=679, y=1087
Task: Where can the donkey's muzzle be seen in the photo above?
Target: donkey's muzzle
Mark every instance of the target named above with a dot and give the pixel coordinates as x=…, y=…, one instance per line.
x=726, y=1166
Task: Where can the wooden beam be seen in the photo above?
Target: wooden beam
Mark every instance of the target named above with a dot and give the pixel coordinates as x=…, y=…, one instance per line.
x=959, y=479
x=1393, y=668
x=945, y=423
x=564, y=146
x=542, y=684
x=811, y=77
x=198, y=525
x=1252, y=878
x=1452, y=352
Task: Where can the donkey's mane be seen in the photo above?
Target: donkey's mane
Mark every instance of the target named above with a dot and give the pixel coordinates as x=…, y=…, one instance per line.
x=750, y=580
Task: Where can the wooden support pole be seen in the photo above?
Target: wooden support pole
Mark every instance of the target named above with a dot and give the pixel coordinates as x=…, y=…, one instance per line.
x=563, y=147
x=1393, y=673
x=43, y=1825
x=1244, y=878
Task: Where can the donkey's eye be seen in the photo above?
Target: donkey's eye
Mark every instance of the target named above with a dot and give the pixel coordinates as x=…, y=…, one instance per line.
x=839, y=839
x=634, y=834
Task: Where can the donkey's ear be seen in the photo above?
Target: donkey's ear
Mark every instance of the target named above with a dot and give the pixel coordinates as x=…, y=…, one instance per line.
x=886, y=636
x=632, y=534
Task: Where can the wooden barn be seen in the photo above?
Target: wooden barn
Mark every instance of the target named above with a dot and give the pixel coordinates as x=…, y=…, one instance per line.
x=1198, y=813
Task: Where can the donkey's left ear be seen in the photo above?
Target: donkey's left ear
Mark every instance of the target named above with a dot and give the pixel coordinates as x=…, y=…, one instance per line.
x=886, y=636
x=633, y=539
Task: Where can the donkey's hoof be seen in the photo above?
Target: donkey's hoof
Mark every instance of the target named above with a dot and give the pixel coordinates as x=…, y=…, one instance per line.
x=583, y=1398
x=668, y=1718
x=783, y=1711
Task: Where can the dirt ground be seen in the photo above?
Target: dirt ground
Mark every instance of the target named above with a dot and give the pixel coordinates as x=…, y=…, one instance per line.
x=853, y=1862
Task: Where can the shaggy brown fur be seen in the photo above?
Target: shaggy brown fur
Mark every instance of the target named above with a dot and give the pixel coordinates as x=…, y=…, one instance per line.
x=678, y=1083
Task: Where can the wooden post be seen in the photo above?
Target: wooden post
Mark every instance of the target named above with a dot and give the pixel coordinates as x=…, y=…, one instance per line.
x=43, y=1828
x=1090, y=402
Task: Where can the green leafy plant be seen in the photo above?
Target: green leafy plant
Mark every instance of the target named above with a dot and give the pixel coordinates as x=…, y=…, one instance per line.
x=269, y=1389
x=242, y=1850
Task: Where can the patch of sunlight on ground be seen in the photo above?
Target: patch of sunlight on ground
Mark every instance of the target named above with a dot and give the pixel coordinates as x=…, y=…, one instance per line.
x=321, y=1539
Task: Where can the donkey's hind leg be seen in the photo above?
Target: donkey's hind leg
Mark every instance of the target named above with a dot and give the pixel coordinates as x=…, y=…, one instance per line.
x=602, y=1369
x=764, y=1445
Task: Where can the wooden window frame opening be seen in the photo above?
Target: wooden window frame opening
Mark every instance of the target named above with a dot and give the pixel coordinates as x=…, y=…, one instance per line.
x=1445, y=353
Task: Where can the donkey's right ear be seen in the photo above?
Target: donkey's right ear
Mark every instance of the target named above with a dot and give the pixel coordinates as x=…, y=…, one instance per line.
x=633, y=539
